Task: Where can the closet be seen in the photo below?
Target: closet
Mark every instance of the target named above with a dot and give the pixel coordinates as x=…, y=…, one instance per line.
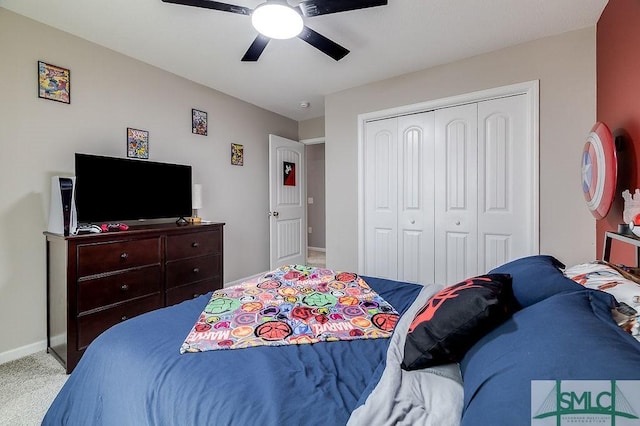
x=448, y=193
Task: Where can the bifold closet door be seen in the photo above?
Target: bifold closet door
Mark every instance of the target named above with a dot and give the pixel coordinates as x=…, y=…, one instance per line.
x=456, y=193
x=398, y=198
x=484, y=196
x=506, y=228
x=381, y=199
x=415, y=198
x=448, y=194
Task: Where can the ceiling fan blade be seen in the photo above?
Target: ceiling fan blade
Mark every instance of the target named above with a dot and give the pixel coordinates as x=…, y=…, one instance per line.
x=324, y=7
x=323, y=44
x=256, y=48
x=215, y=5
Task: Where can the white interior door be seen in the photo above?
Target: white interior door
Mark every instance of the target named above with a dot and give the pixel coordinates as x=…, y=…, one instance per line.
x=456, y=193
x=479, y=204
x=505, y=187
x=398, y=188
x=415, y=198
x=287, y=202
x=381, y=199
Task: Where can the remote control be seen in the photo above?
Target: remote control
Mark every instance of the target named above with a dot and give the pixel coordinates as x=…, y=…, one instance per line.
x=113, y=227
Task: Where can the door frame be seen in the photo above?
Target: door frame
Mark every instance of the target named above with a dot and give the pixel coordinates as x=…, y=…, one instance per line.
x=314, y=141
x=531, y=90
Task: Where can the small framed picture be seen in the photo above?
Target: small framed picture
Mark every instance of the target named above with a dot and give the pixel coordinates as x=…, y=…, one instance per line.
x=198, y=122
x=137, y=143
x=54, y=83
x=289, y=173
x=237, y=154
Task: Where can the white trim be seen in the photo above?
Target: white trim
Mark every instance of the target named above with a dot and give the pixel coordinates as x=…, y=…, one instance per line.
x=17, y=353
x=312, y=141
x=317, y=249
x=529, y=88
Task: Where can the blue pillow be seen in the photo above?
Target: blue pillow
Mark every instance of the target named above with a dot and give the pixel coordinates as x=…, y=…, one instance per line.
x=569, y=336
x=535, y=278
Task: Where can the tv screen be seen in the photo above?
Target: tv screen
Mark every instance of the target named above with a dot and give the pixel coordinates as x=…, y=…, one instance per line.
x=112, y=189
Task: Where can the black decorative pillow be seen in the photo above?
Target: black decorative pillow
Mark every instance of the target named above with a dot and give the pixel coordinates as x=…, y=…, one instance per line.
x=455, y=318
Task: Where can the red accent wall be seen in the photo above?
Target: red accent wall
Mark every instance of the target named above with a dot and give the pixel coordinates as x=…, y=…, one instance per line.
x=618, y=105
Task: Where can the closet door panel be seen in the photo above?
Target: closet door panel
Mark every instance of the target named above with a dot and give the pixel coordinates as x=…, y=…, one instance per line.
x=458, y=252
x=504, y=190
x=456, y=193
x=381, y=199
x=415, y=190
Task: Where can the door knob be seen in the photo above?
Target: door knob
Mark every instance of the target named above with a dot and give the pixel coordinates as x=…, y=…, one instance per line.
x=275, y=214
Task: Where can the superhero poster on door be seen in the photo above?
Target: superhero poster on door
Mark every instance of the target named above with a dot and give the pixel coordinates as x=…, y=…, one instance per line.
x=289, y=173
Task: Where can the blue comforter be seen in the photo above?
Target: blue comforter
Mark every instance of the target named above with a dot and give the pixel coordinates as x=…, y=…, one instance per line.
x=134, y=374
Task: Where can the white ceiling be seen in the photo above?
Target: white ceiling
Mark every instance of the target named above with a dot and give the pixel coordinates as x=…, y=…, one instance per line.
x=406, y=35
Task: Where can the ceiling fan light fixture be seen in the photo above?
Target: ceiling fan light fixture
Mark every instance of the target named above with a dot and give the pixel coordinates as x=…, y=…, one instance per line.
x=276, y=20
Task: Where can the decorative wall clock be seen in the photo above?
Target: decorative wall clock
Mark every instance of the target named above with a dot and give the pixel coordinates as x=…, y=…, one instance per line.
x=599, y=170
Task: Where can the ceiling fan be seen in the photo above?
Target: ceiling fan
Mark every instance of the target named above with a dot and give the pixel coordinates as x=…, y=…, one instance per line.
x=277, y=19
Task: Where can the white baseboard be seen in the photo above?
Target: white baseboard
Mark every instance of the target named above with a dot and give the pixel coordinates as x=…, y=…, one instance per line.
x=241, y=280
x=317, y=249
x=17, y=353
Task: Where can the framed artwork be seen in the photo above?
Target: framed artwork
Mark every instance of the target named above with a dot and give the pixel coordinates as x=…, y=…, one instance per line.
x=198, y=122
x=237, y=154
x=54, y=83
x=137, y=143
x=289, y=173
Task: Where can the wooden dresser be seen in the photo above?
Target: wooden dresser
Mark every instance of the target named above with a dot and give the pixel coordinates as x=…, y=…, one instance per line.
x=95, y=281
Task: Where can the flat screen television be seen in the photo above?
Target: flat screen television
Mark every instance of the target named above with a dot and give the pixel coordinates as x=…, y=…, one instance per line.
x=110, y=189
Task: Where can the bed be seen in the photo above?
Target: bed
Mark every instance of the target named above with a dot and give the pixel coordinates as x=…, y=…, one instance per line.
x=555, y=329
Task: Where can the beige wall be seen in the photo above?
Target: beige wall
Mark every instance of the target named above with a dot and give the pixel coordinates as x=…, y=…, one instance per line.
x=110, y=92
x=311, y=129
x=565, y=66
x=316, y=220
x=314, y=155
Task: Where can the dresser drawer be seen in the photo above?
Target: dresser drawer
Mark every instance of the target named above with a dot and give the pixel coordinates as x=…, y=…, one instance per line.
x=191, y=291
x=194, y=244
x=187, y=271
x=106, y=257
x=90, y=326
x=117, y=288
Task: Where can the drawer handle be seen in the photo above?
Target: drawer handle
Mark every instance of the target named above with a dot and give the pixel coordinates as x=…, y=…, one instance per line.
x=124, y=318
x=196, y=295
x=195, y=244
x=196, y=270
x=124, y=255
x=124, y=287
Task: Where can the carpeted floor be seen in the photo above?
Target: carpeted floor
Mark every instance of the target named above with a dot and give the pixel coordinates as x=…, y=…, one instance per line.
x=27, y=387
x=316, y=258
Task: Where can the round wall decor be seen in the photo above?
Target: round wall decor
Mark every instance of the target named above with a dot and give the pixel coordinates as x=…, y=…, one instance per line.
x=599, y=170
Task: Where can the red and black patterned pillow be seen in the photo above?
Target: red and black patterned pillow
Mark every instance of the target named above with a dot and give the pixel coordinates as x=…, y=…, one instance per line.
x=455, y=318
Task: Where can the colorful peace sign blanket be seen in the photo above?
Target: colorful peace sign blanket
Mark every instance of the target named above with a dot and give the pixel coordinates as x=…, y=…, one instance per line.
x=292, y=305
